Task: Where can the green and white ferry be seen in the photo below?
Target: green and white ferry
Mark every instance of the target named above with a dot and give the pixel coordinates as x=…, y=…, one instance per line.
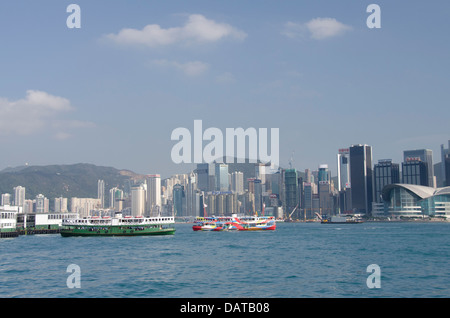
x=118, y=226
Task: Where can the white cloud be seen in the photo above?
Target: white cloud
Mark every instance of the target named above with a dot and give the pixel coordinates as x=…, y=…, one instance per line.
x=318, y=29
x=197, y=29
x=194, y=68
x=37, y=111
x=225, y=78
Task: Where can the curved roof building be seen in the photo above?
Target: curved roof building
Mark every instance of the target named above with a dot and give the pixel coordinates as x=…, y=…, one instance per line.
x=410, y=200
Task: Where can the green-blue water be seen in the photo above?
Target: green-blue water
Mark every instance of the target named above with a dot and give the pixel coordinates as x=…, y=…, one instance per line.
x=296, y=260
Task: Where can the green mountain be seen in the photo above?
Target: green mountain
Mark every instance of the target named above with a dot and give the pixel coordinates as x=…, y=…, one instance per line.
x=77, y=180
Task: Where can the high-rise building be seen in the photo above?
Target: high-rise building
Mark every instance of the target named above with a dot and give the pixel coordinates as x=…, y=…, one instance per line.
x=19, y=196
x=323, y=173
x=178, y=199
x=237, y=182
x=384, y=172
x=101, y=192
x=84, y=206
x=221, y=176
x=42, y=204
x=343, y=168
x=444, y=169
x=153, y=204
x=415, y=171
x=426, y=156
x=361, y=178
x=291, y=195
x=138, y=200
x=60, y=204
x=115, y=194
x=6, y=199
x=202, y=172
x=447, y=170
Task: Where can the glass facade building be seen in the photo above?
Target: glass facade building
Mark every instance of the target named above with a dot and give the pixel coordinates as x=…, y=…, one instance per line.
x=426, y=156
x=415, y=201
x=361, y=178
x=384, y=172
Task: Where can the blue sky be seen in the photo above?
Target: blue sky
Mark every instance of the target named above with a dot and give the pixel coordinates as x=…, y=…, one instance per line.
x=111, y=92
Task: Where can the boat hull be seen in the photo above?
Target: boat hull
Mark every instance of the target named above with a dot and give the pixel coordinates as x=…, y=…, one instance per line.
x=116, y=231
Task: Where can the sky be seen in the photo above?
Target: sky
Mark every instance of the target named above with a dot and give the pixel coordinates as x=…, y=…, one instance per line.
x=112, y=92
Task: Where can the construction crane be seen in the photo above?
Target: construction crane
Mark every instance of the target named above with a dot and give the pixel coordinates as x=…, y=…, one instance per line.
x=289, y=217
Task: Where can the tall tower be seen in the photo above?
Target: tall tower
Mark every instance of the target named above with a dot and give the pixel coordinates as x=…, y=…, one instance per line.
x=101, y=192
x=361, y=178
x=426, y=156
x=384, y=172
x=137, y=200
x=153, y=194
x=343, y=168
x=19, y=196
x=221, y=175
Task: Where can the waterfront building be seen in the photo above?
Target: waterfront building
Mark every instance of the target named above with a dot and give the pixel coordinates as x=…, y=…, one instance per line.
x=153, y=204
x=415, y=171
x=447, y=170
x=444, y=168
x=343, y=168
x=19, y=196
x=384, y=172
x=416, y=201
x=361, y=178
x=426, y=156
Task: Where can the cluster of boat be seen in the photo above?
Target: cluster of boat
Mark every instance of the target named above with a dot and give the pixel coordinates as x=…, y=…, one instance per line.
x=234, y=223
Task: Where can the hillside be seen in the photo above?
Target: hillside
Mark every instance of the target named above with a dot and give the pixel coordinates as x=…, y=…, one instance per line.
x=77, y=180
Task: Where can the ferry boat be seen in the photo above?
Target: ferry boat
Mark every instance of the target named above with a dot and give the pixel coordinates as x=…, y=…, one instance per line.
x=342, y=219
x=118, y=226
x=245, y=223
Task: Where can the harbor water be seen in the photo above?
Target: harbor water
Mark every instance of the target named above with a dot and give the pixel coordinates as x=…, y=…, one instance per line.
x=298, y=260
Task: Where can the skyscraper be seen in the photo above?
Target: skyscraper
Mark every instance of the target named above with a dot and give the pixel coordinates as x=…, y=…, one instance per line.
x=202, y=176
x=101, y=192
x=426, y=156
x=361, y=178
x=343, y=168
x=221, y=176
x=384, y=172
x=444, y=169
x=178, y=197
x=153, y=204
x=19, y=196
x=415, y=171
x=115, y=194
x=138, y=200
x=237, y=182
x=291, y=196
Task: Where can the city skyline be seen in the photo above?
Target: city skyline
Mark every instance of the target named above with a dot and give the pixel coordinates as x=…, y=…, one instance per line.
x=111, y=92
